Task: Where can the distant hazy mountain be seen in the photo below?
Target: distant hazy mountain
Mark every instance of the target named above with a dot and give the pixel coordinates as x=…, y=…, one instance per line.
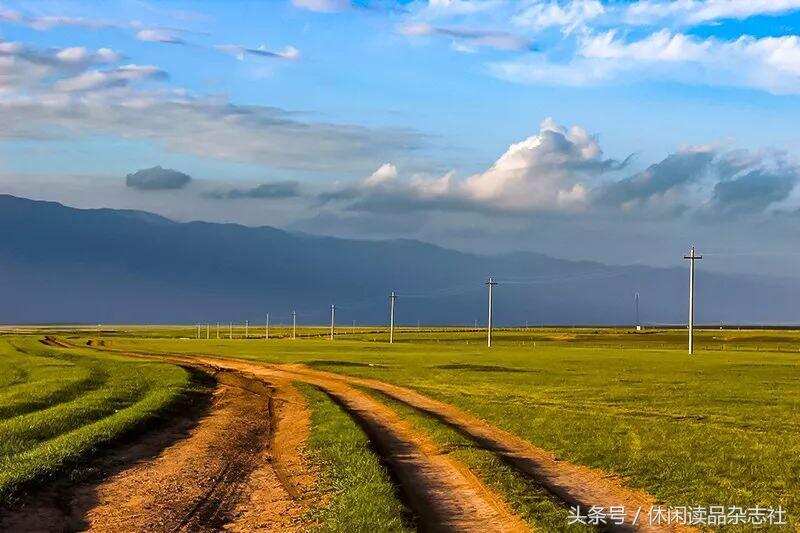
x=59, y=264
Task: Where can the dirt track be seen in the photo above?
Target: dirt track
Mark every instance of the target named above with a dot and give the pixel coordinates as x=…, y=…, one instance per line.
x=573, y=484
x=236, y=466
x=444, y=494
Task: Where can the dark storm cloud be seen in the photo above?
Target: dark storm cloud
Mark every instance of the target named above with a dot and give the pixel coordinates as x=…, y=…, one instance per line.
x=273, y=190
x=344, y=193
x=754, y=191
x=675, y=171
x=157, y=178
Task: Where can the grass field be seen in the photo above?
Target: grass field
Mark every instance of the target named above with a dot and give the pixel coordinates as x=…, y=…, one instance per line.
x=358, y=494
x=58, y=408
x=717, y=428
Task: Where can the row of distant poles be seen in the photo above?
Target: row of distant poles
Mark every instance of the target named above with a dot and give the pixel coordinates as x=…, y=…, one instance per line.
x=490, y=284
x=392, y=301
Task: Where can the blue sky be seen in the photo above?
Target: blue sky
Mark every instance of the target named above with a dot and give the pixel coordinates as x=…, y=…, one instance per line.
x=490, y=126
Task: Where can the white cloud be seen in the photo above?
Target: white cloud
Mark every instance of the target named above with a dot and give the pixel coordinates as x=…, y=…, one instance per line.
x=57, y=93
x=159, y=35
x=322, y=6
x=386, y=173
x=240, y=52
x=466, y=39
x=24, y=66
x=768, y=63
x=537, y=69
x=44, y=23
x=692, y=12
x=569, y=16
x=550, y=171
x=545, y=171
x=453, y=8
x=104, y=79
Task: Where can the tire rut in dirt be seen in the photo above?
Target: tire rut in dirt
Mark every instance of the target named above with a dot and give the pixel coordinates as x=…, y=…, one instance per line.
x=444, y=494
x=195, y=474
x=570, y=483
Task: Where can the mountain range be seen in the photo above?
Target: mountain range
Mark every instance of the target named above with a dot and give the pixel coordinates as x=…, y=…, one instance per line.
x=64, y=265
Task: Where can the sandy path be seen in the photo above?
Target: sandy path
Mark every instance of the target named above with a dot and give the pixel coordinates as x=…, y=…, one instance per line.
x=427, y=477
x=229, y=469
x=445, y=495
x=573, y=484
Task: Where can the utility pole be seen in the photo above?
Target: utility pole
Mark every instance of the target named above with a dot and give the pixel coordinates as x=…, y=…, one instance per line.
x=294, y=325
x=230, y=330
x=333, y=319
x=266, y=328
x=692, y=257
x=636, y=304
x=491, y=283
x=208, y=331
x=217, y=330
x=198, y=331
x=392, y=299
x=246, y=329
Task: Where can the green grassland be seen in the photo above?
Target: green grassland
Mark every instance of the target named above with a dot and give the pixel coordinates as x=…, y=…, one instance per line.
x=357, y=492
x=59, y=406
x=720, y=427
x=529, y=500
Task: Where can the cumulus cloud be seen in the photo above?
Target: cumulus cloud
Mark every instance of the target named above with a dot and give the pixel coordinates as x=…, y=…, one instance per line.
x=469, y=38
x=385, y=174
x=238, y=51
x=550, y=171
x=157, y=179
x=547, y=170
x=273, y=190
x=563, y=170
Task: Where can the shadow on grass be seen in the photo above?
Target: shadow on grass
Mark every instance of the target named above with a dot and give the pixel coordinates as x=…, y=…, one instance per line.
x=482, y=368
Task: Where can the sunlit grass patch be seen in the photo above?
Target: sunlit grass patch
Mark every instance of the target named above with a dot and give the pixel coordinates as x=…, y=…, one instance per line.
x=70, y=404
x=358, y=494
